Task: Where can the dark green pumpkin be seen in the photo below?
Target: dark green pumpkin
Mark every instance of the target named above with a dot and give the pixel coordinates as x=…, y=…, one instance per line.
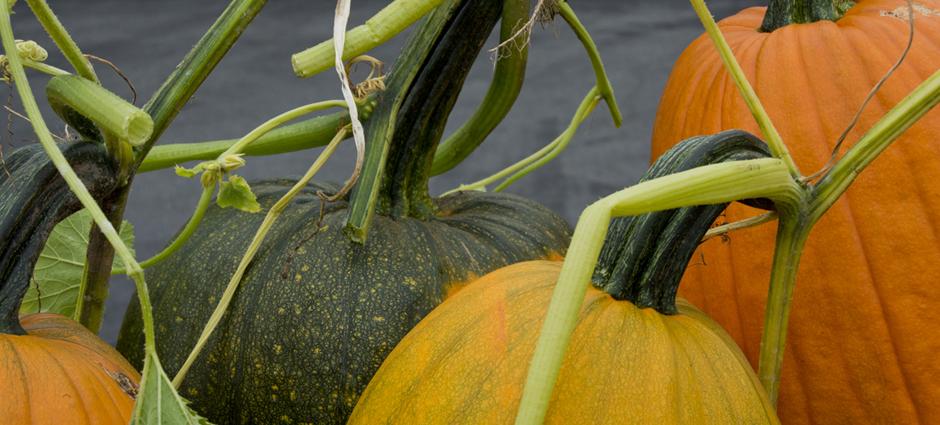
x=316, y=313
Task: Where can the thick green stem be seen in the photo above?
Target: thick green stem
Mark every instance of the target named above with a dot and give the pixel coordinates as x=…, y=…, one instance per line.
x=68, y=174
x=162, y=108
x=645, y=256
x=504, y=89
x=387, y=23
x=794, y=229
x=196, y=66
x=62, y=39
x=260, y=234
x=603, y=83
x=711, y=184
x=98, y=268
x=410, y=117
x=792, y=232
x=71, y=95
x=777, y=147
x=781, y=13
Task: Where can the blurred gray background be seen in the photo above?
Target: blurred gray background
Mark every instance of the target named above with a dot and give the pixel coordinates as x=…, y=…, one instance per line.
x=639, y=40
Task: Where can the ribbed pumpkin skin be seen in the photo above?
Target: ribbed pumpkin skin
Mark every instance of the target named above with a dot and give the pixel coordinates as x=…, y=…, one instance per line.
x=860, y=346
x=62, y=373
x=466, y=362
x=316, y=314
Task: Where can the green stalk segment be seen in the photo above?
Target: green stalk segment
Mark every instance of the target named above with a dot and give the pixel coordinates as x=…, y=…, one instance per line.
x=62, y=39
x=387, y=23
x=777, y=147
x=75, y=184
x=196, y=66
x=70, y=95
x=504, y=89
x=710, y=184
x=603, y=83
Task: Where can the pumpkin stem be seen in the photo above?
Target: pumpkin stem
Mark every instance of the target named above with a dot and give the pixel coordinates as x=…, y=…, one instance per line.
x=781, y=13
x=411, y=113
x=644, y=256
x=33, y=199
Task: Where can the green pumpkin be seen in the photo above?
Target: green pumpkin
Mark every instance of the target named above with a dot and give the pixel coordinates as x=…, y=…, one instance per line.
x=317, y=313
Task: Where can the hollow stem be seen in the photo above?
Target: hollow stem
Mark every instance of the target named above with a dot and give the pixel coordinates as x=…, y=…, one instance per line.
x=384, y=25
x=260, y=234
x=70, y=94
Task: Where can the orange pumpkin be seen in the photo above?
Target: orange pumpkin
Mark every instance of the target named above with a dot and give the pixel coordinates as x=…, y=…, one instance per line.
x=861, y=348
x=636, y=356
x=52, y=370
x=62, y=373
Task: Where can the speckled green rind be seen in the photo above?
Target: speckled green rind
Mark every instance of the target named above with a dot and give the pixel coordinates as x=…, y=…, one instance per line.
x=316, y=314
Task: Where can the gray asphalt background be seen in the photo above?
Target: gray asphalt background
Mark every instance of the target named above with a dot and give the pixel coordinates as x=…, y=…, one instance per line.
x=639, y=40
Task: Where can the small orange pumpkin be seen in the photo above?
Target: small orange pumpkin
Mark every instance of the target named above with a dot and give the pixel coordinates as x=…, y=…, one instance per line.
x=861, y=348
x=52, y=370
x=62, y=373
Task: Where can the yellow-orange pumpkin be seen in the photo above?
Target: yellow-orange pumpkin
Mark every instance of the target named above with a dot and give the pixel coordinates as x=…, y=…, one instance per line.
x=636, y=356
x=466, y=362
x=861, y=346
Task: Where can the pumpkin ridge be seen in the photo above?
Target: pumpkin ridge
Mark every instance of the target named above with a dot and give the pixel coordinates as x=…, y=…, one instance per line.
x=68, y=378
x=24, y=374
x=879, y=291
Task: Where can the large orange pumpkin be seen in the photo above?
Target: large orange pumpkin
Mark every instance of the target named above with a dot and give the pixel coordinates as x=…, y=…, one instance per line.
x=637, y=356
x=861, y=345
x=52, y=370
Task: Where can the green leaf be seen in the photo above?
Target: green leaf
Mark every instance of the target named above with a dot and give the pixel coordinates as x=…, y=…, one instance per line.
x=158, y=402
x=236, y=193
x=57, y=276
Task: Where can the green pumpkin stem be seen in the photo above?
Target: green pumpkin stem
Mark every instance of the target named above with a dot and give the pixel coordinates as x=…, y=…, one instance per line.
x=409, y=119
x=33, y=199
x=781, y=13
x=644, y=257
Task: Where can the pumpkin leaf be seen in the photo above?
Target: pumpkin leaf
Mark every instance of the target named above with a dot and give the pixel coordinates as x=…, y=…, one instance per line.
x=236, y=193
x=158, y=402
x=57, y=277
